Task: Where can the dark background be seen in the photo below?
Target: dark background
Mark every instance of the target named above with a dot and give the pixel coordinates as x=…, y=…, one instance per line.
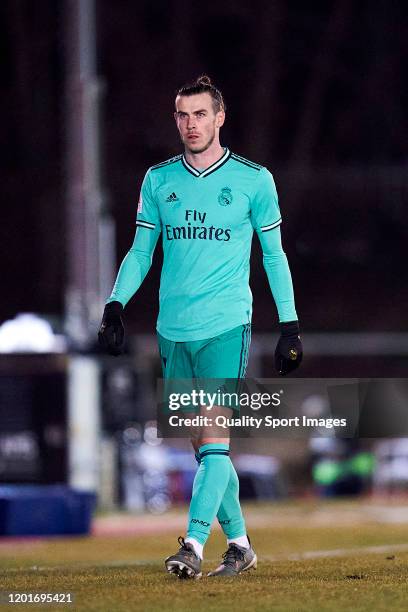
x=317, y=92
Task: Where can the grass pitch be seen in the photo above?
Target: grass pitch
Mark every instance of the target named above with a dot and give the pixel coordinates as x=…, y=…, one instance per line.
x=314, y=556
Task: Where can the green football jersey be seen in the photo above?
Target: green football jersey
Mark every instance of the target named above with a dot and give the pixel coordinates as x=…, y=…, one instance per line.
x=207, y=219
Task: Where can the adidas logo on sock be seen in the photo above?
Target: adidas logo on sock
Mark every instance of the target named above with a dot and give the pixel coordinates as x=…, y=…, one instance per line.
x=172, y=198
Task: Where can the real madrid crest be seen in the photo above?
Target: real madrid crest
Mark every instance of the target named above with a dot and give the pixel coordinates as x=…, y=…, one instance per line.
x=225, y=197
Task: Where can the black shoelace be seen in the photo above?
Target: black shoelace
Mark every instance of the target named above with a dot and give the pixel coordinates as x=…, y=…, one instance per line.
x=233, y=554
x=185, y=546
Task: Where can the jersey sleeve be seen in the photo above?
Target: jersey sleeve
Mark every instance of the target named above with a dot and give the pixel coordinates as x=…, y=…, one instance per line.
x=138, y=260
x=265, y=213
x=277, y=269
x=135, y=266
x=147, y=210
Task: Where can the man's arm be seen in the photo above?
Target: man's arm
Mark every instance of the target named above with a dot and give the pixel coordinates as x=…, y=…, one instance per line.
x=277, y=269
x=133, y=270
x=131, y=274
x=289, y=351
x=266, y=218
x=135, y=265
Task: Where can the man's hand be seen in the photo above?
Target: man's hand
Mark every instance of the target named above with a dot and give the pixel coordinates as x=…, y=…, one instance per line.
x=289, y=351
x=111, y=333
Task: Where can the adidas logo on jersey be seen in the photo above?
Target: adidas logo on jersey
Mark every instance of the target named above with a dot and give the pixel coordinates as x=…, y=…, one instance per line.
x=172, y=198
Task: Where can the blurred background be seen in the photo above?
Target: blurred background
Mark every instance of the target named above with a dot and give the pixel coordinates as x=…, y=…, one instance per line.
x=316, y=93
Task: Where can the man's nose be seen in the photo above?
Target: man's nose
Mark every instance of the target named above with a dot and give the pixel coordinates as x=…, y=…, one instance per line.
x=191, y=122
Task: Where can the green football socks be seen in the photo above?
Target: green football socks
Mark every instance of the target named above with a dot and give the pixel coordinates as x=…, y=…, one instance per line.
x=230, y=514
x=215, y=493
x=210, y=484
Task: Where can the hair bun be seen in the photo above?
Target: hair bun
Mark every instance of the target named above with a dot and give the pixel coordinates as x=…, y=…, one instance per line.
x=203, y=85
x=204, y=80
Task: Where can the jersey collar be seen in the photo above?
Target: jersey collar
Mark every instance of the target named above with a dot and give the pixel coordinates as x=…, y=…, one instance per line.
x=210, y=169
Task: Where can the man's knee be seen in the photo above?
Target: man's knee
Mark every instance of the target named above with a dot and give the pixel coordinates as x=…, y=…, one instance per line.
x=195, y=441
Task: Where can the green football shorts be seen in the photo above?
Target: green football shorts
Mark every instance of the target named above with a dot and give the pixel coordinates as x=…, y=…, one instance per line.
x=224, y=356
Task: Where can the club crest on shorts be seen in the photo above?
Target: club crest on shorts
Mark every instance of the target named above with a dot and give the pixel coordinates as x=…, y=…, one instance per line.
x=225, y=198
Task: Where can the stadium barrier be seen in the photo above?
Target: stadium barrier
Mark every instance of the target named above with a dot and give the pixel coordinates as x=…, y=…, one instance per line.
x=39, y=510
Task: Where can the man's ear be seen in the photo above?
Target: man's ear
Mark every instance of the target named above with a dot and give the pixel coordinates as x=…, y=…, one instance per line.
x=220, y=119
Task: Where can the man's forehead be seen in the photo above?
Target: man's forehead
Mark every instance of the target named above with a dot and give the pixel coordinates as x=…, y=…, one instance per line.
x=194, y=103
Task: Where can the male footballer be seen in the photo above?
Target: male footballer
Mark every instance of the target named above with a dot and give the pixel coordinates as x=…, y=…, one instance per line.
x=206, y=203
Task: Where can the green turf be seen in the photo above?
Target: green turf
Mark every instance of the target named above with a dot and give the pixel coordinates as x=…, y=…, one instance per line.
x=127, y=573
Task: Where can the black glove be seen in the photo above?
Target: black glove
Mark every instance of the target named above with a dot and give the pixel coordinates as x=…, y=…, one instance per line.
x=289, y=351
x=111, y=333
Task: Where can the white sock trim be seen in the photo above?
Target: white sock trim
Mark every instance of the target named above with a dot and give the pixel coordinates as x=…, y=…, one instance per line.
x=241, y=541
x=198, y=548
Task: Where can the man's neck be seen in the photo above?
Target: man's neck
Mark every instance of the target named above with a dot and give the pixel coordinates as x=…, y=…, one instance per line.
x=205, y=159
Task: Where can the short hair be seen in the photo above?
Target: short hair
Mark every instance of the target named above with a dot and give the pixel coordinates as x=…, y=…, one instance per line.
x=203, y=85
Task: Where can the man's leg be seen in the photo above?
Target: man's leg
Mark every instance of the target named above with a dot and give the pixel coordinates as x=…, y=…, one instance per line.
x=211, y=480
x=177, y=364
x=221, y=357
x=226, y=357
x=209, y=486
x=240, y=556
x=229, y=515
